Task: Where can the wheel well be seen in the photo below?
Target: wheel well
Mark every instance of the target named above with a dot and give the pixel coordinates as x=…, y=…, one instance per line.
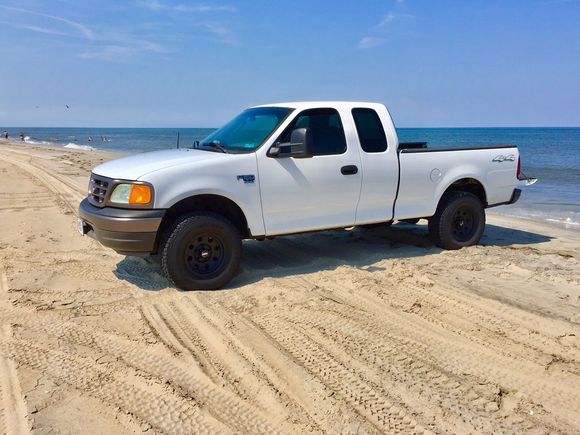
x=470, y=185
x=214, y=203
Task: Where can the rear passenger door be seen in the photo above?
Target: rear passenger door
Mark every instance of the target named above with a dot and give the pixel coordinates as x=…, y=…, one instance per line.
x=379, y=163
x=302, y=194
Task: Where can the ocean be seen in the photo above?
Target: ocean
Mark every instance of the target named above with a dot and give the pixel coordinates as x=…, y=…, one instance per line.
x=550, y=154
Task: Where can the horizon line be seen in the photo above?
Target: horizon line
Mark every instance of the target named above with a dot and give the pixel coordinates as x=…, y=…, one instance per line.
x=16, y=127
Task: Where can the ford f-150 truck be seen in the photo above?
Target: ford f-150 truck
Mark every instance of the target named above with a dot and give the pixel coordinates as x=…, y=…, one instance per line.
x=290, y=168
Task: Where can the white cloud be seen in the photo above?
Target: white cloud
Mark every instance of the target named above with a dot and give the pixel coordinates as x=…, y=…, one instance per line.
x=204, y=8
x=84, y=30
x=384, y=27
x=123, y=46
x=109, y=52
x=119, y=52
x=370, y=42
x=43, y=30
x=156, y=5
x=221, y=32
x=387, y=19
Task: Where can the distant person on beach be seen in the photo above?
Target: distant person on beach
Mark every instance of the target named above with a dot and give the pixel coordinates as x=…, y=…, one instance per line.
x=5, y=134
x=21, y=136
x=90, y=138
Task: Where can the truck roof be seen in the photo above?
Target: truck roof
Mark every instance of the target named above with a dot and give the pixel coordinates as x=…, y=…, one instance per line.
x=316, y=104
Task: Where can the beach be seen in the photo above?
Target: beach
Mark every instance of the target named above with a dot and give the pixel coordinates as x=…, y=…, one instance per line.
x=350, y=331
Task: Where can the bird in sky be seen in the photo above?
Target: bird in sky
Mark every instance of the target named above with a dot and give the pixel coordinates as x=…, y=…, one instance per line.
x=67, y=106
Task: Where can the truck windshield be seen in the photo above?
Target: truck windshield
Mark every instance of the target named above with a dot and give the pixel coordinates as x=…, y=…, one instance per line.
x=246, y=132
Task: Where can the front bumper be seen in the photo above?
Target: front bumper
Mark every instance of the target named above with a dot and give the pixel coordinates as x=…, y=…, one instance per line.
x=127, y=231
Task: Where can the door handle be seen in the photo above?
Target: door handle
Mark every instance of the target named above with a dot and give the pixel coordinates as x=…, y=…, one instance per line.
x=348, y=170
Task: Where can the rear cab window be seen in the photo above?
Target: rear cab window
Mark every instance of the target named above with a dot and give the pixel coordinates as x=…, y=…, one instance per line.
x=370, y=130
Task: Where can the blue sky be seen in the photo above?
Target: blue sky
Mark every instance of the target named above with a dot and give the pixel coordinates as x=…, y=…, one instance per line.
x=175, y=63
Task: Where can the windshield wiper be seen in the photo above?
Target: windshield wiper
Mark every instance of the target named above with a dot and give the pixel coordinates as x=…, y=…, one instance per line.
x=217, y=145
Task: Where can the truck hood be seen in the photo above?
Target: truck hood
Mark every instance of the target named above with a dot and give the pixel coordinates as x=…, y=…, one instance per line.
x=136, y=166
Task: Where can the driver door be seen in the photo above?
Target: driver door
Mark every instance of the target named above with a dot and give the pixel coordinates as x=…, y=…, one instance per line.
x=304, y=194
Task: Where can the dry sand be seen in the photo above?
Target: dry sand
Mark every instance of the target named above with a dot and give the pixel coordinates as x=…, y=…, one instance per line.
x=361, y=331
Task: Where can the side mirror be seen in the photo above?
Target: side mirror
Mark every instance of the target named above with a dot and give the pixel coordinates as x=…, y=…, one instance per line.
x=300, y=145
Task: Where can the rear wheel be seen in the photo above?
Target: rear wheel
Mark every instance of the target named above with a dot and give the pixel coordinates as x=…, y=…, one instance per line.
x=202, y=251
x=458, y=222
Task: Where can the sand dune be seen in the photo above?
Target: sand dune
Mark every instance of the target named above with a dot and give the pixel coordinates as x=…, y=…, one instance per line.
x=362, y=331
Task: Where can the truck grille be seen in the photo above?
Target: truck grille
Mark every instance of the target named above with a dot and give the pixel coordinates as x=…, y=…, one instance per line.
x=98, y=187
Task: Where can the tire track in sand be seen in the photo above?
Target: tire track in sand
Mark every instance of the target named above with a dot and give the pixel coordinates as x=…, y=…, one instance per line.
x=559, y=393
x=13, y=412
x=468, y=406
x=219, y=358
x=70, y=195
x=246, y=370
x=382, y=410
x=165, y=411
x=483, y=321
x=521, y=327
x=189, y=328
x=82, y=188
x=307, y=398
x=183, y=375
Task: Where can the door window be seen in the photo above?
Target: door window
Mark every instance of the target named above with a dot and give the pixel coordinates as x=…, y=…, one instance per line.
x=326, y=128
x=370, y=130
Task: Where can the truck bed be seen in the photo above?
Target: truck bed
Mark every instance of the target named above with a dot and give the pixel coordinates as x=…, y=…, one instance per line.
x=425, y=173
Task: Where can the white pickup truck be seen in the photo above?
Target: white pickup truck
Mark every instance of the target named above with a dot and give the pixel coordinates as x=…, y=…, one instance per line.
x=290, y=168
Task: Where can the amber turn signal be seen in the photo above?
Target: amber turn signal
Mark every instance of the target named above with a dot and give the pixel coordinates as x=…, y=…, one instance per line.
x=140, y=194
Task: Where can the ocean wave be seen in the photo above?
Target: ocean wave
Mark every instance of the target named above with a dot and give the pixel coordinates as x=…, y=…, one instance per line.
x=561, y=217
x=28, y=139
x=564, y=221
x=76, y=146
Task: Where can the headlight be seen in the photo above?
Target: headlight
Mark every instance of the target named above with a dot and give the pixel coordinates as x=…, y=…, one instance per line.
x=131, y=194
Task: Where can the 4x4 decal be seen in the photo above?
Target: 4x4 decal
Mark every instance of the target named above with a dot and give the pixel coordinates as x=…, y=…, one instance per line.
x=502, y=158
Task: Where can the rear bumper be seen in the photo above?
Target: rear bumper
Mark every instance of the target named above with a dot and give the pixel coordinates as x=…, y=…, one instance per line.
x=124, y=230
x=514, y=198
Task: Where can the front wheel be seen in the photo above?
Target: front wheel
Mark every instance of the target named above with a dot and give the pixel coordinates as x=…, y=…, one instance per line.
x=458, y=222
x=203, y=251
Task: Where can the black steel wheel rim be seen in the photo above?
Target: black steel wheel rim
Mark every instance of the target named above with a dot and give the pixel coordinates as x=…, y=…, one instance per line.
x=464, y=224
x=205, y=254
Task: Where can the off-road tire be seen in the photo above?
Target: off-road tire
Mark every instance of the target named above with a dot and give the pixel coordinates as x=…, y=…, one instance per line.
x=201, y=251
x=458, y=222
